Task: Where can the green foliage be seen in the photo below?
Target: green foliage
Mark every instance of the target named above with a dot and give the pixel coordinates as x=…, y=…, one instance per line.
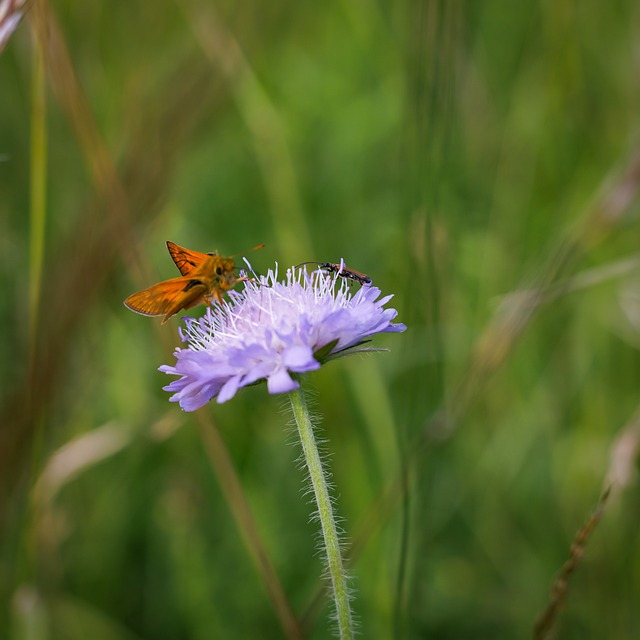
x=479, y=160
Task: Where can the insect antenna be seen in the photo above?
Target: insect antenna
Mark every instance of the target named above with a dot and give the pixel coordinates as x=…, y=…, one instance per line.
x=342, y=270
x=259, y=246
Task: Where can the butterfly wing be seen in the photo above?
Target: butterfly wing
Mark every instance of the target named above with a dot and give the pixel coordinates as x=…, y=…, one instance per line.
x=185, y=259
x=167, y=298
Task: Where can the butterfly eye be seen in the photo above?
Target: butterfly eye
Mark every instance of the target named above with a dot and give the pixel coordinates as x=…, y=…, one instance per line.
x=219, y=270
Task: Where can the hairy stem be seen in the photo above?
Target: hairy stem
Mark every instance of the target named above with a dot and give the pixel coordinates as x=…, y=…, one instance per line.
x=325, y=512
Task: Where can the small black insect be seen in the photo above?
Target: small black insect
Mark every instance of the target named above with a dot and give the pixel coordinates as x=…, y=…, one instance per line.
x=342, y=270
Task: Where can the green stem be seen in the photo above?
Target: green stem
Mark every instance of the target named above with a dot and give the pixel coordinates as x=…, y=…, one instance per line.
x=325, y=512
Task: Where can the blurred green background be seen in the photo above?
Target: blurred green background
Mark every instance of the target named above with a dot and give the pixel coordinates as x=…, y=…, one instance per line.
x=480, y=160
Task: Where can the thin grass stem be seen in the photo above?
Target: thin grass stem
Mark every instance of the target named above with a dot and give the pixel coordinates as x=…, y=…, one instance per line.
x=38, y=189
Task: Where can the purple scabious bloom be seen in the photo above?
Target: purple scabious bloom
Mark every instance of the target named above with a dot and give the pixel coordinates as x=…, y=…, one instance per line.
x=273, y=329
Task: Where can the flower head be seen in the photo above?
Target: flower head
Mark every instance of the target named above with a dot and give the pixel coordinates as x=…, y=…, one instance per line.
x=273, y=329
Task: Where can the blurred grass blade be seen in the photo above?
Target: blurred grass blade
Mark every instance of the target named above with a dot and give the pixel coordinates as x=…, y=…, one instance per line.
x=624, y=454
x=266, y=126
x=10, y=15
x=77, y=456
x=609, y=210
x=544, y=626
x=74, y=618
x=38, y=187
x=235, y=497
x=579, y=282
x=29, y=615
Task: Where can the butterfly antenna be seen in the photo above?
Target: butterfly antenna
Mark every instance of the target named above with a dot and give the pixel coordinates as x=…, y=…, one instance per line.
x=259, y=246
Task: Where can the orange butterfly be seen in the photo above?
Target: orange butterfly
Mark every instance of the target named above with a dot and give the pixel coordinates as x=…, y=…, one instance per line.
x=343, y=271
x=205, y=277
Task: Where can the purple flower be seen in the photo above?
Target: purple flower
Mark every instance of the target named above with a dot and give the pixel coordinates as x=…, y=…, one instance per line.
x=273, y=329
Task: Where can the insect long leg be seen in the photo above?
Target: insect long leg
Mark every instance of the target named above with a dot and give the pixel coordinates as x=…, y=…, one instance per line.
x=342, y=270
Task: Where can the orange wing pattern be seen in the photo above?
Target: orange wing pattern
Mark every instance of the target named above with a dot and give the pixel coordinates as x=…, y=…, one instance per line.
x=205, y=278
x=185, y=259
x=167, y=298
